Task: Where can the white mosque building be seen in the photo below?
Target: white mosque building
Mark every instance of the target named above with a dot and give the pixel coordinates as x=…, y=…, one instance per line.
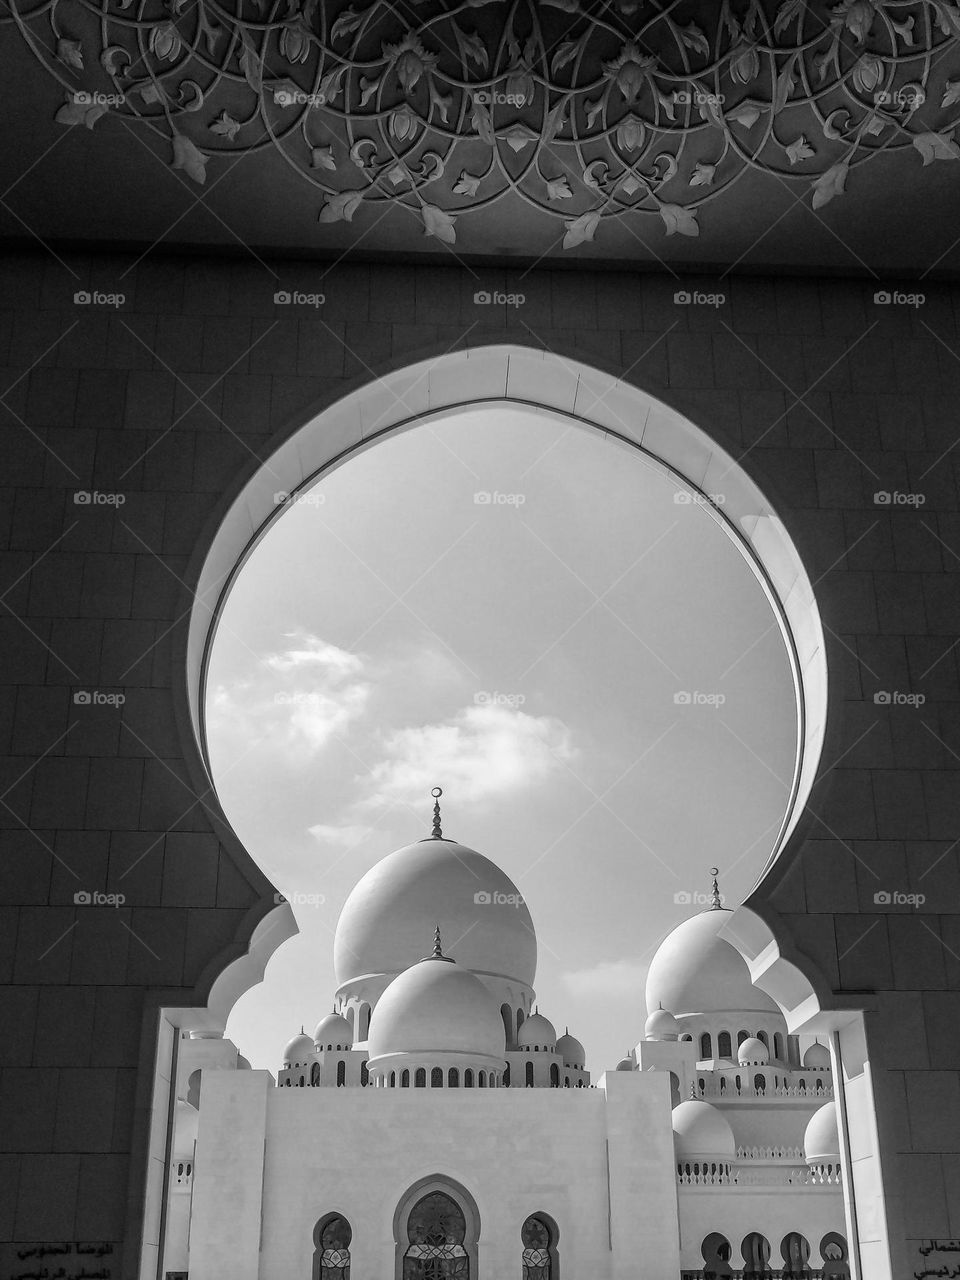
x=435, y=1124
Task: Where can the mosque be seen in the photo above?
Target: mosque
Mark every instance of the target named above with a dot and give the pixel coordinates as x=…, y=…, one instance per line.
x=435, y=1124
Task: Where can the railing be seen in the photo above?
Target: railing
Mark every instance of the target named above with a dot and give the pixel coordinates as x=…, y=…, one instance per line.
x=795, y=1154
x=713, y=1090
x=764, y=1175
x=809, y=1274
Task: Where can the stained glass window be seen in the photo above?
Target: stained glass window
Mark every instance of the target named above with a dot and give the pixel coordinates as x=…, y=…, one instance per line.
x=436, y=1229
x=535, y=1235
x=335, y=1250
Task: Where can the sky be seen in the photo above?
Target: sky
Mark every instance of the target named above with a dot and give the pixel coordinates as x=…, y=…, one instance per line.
x=522, y=611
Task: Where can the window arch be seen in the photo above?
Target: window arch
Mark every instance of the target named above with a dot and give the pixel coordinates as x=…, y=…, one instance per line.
x=724, y=1046
x=436, y=1226
x=539, y=1257
x=393, y=1079
x=468, y=1078
x=756, y=1256
x=331, y=1254
x=833, y=1250
x=405, y=1078
x=760, y=1082
x=506, y=1076
x=715, y=1250
x=778, y=1045
x=436, y=1077
x=363, y=1021
x=364, y=1073
x=741, y=1036
x=519, y=1020
x=706, y=1045
x=554, y=1076
x=315, y=1074
x=506, y=1017
x=762, y=1037
x=481, y=1079
x=453, y=1078
x=341, y=1073
x=528, y=1075
x=795, y=1252
x=420, y=1079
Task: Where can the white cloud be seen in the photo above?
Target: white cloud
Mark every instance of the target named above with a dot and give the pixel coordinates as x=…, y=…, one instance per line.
x=345, y=834
x=620, y=979
x=481, y=751
x=314, y=652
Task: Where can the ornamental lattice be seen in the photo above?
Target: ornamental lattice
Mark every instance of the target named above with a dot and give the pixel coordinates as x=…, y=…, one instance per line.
x=583, y=112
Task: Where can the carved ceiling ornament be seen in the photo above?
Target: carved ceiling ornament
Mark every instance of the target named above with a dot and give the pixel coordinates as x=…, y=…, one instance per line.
x=630, y=110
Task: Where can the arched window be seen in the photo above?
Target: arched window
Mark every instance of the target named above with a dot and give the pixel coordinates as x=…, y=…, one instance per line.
x=566, y=1082
x=778, y=1047
x=686, y=1036
x=833, y=1251
x=436, y=1229
x=331, y=1255
x=393, y=1079
x=795, y=1252
x=724, y=1048
x=315, y=1073
x=538, y=1248
x=420, y=1079
x=506, y=1017
x=554, y=1076
x=762, y=1037
x=300, y=1083
x=468, y=1078
x=481, y=1079
x=760, y=1082
x=738, y=1084
x=364, y=1074
x=741, y=1036
x=436, y=1077
x=756, y=1256
x=528, y=1071
x=363, y=1022
x=715, y=1249
x=405, y=1079
x=506, y=1076
x=706, y=1046
x=519, y=1020
x=341, y=1073
x=453, y=1078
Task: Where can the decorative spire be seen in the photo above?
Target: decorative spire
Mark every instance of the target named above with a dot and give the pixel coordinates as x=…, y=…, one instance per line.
x=437, y=792
x=717, y=904
x=693, y=1092
x=437, y=953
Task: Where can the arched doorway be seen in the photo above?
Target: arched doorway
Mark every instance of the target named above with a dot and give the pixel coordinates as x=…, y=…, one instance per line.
x=436, y=1229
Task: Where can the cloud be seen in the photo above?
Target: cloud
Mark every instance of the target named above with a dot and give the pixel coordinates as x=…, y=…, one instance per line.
x=614, y=979
x=346, y=834
x=298, y=700
x=479, y=752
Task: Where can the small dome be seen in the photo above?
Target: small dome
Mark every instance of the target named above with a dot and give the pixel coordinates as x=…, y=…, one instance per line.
x=821, y=1140
x=661, y=1025
x=300, y=1049
x=571, y=1051
x=333, y=1029
x=436, y=1006
x=537, y=1031
x=701, y=1132
x=753, y=1052
x=625, y=1064
x=817, y=1058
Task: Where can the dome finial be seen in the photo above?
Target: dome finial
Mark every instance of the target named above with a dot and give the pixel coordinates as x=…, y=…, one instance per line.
x=717, y=904
x=437, y=792
x=437, y=946
x=693, y=1092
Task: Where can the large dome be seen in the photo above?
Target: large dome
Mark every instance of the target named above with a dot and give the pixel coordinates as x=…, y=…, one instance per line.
x=700, y=1131
x=436, y=1006
x=400, y=901
x=695, y=972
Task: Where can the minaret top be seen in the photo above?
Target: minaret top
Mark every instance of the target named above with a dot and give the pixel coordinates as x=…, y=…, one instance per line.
x=717, y=904
x=438, y=949
x=437, y=792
